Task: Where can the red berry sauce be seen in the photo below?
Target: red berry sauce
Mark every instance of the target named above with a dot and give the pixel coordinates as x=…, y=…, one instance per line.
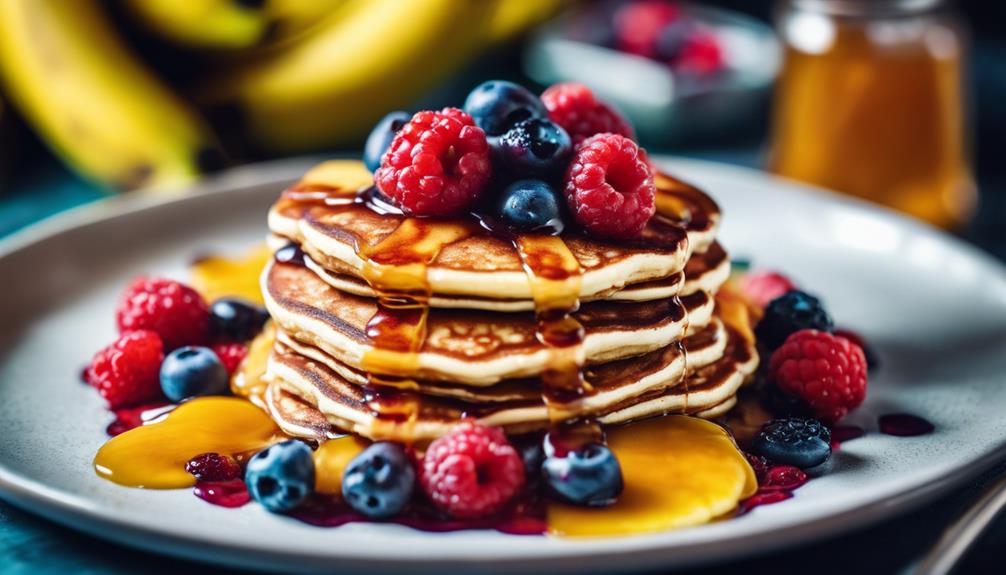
x=131, y=417
x=228, y=494
x=904, y=425
x=842, y=433
x=775, y=483
x=526, y=517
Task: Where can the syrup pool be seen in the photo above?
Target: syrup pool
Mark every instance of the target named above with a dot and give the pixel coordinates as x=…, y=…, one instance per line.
x=153, y=456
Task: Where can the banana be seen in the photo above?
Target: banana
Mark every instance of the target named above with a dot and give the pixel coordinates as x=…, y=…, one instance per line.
x=372, y=56
x=203, y=24
x=70, y=75
x=514, y=16
x=290, y=18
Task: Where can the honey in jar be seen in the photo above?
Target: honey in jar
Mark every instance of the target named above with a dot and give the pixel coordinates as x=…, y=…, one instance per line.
x=871, y=102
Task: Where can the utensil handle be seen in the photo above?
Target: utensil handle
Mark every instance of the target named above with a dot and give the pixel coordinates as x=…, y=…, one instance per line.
x=959, y=537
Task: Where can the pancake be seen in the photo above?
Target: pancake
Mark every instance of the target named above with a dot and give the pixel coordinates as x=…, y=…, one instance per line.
x=477, y=348
x=611, y=381
x=330, y=223
x=706, y=272
x=707, y=391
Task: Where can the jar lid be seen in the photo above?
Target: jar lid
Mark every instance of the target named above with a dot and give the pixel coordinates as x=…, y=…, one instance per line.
x=868, y=7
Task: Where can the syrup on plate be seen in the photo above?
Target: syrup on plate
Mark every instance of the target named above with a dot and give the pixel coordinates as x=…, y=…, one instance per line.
x=154, y=455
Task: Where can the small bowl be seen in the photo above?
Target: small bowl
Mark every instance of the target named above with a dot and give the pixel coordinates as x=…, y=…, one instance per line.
x=665, y=107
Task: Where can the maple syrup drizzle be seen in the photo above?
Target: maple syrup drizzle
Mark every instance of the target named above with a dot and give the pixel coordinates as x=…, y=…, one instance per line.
x=555, y=277
x=396, y=269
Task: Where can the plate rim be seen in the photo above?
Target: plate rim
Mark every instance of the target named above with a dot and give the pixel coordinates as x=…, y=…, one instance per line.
x=73, y=510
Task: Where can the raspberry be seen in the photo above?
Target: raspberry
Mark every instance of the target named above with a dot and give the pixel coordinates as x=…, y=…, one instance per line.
x=609, y=187
x=763, y=287
x=230, y=355
x=638, y=25
x=174, y=310
x=872, y=361
x=472, y=471
x=826, y=371
x=699, y=54
x=437, y=165
x=126, y=372
x=213, y=467
x=574, y=107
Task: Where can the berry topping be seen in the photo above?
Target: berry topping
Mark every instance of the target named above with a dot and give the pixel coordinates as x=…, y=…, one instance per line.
x=125, y=373
x=380, y=138
x=535, y=147
x=379, y=481
x=281, y=476
x=789, y=313
x=472, y=471
x=699, y=54
x=532, y=453
x=437, y=165
x=872, y=361
x=609, y=187
x=530, y=205
x=232, y=319
x=496, y=106
x=213, y=467
x=638, y=25
x=590, y=476
x=763, y=287
x=192, y=371
x=759, y=465
x=782, y=478
x=231, y=355
x=794, y=441
x=175, y=311
x=672, y=38
x=827, y=372
x=574, y=107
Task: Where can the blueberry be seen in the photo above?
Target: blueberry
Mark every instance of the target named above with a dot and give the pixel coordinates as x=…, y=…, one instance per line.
x=497, y=105
x=191, y=371
x=381, y=136
x=233, y=319
x=530, y=205
x=379, y=481
x=798, y=441
x=534, y=147
x=789, y=313
x=589, y=476
x=672, y=39
x=280, y=477
x=532, y=454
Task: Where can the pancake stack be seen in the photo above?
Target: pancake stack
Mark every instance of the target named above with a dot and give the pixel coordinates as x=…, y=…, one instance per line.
x=396, y=327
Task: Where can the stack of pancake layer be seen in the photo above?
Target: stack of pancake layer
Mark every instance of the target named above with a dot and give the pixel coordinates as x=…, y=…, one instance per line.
x=389, y=326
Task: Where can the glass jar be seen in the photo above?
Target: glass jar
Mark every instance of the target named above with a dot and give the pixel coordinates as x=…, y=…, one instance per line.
x=871, y=102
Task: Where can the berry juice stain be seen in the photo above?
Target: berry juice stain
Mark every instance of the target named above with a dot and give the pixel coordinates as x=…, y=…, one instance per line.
x=842, y=433
x=228, y=494
x=526, y=517
x=904, y=425
x=133, y=417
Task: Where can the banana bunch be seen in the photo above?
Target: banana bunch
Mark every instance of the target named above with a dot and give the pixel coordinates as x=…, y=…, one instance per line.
x=228, y=25
x=370, y=57
x=303, y=74
x=68, y=72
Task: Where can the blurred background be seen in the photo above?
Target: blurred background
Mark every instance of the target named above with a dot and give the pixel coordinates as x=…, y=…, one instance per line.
x=895, y=101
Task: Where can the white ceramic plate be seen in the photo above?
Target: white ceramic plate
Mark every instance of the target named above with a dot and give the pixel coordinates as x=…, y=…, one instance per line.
x=935, y=308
